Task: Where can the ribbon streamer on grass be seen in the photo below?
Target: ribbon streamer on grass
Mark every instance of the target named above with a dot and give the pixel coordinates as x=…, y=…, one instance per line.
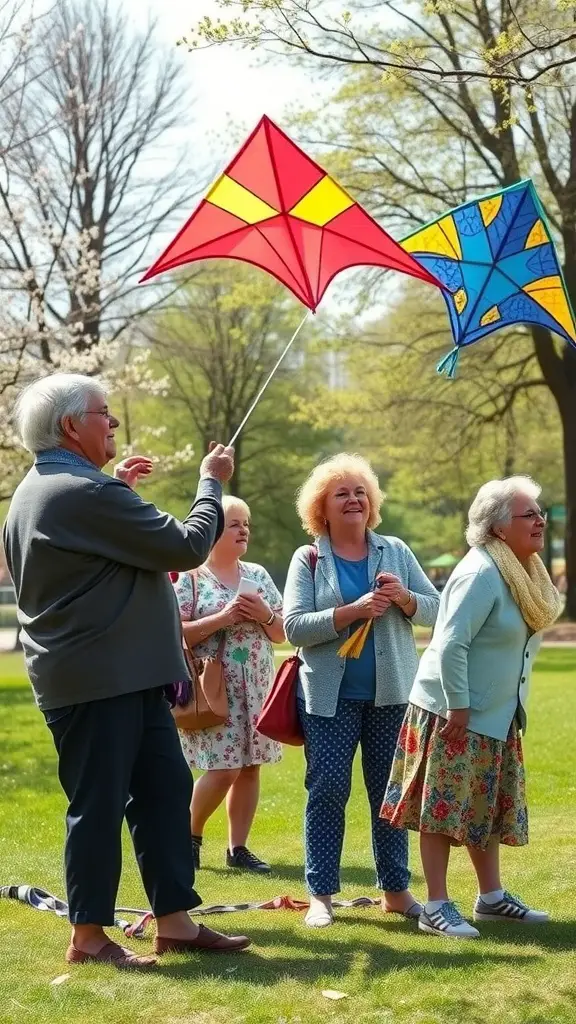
x=40, y=899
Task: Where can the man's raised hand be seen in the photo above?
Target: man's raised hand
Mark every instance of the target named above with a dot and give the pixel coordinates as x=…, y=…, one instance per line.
x=219, y=463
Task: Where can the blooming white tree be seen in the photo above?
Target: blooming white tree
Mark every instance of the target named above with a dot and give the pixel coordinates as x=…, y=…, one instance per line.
x=81, y=125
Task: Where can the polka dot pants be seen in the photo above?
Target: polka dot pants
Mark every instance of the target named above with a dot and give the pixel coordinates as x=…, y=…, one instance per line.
x=330, y=745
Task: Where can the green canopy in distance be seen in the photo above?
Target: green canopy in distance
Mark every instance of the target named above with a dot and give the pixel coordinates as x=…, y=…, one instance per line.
x=442, y=562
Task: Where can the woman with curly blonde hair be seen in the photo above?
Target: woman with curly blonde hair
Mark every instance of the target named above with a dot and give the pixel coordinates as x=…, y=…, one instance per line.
x=352, y=575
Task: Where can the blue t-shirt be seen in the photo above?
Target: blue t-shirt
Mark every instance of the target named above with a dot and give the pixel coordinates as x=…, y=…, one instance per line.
x=359, y=679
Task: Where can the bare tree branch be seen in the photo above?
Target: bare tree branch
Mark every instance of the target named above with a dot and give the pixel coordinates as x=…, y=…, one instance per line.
x=81, y=198
x=298, y=26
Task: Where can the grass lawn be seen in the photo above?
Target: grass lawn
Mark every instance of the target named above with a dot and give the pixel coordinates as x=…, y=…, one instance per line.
x=389, y=972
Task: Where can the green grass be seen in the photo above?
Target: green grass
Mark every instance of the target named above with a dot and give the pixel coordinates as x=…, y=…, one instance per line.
x=389, y=971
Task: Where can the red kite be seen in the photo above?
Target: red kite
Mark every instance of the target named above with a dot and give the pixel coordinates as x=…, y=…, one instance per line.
x=276, y=208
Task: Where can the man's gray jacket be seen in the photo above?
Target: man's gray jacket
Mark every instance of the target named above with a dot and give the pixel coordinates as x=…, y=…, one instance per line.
x=90, y=560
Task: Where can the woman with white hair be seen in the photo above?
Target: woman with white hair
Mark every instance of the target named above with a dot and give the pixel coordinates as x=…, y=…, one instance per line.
x=350, y=578
x=234, y=602
x=458, y=775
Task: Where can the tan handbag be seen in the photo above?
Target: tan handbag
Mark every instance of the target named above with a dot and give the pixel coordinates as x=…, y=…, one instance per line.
x=208, y=704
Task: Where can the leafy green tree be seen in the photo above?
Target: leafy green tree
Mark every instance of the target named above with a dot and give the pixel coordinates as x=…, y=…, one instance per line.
x=417, y=126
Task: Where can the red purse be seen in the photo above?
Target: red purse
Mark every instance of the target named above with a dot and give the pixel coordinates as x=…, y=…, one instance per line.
x=278, y=719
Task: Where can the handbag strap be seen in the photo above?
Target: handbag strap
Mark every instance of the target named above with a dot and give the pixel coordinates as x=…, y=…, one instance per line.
x=312, y=562
x=194, y=586
x=221, y=646
x=194, y=582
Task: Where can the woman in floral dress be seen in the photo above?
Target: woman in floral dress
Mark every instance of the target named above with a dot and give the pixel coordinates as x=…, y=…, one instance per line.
x=231, y=754
x=458, y=771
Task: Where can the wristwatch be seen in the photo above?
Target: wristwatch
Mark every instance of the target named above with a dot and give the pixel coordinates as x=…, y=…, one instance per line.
x=270, y=620
x=410, y=599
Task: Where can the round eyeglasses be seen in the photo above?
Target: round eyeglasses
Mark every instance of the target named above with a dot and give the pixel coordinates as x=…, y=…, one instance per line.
x=532, y=514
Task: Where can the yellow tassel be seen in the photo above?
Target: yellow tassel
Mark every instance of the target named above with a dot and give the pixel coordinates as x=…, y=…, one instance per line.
x=354, y=645
x=360, y=640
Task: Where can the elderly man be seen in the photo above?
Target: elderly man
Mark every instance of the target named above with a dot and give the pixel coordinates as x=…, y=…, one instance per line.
x=101, y=634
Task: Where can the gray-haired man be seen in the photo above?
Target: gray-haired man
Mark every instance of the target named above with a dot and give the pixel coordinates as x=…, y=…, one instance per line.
x=101, y=635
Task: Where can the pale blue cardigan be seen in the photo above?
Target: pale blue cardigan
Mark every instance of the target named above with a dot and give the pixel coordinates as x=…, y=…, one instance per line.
x=310, y=599
x=482, y=651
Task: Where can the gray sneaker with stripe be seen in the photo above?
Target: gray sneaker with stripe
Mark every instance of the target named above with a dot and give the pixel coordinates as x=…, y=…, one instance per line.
x=448, y=922
x=510, y=908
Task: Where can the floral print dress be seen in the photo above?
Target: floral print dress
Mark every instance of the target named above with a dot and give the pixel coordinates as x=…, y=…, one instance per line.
x=248, y=661
x=471, y=789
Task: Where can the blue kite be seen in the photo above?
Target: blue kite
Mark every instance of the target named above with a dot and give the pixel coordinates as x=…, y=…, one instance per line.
x=498, y=265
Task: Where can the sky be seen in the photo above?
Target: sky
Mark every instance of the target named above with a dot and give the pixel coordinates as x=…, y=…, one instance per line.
x=228, y=85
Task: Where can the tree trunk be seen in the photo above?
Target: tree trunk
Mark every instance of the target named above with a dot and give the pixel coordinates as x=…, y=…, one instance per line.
x=568, y=416
x=126, y=424
x=559, y=372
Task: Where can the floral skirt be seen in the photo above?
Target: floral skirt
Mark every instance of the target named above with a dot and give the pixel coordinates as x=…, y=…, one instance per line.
x=470, y=790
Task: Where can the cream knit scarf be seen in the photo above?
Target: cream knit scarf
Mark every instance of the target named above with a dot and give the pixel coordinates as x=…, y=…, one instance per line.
x=532, y=588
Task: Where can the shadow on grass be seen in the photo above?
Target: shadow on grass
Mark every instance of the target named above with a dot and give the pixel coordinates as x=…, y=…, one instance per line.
x=556, y=935
x=321, y=957
x=351, y=875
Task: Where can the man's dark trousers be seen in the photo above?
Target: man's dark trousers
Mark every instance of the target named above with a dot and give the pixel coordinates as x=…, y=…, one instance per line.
x=121, y=757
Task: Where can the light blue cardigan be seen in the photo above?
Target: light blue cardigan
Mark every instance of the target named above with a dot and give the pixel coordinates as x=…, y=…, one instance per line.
x=309, y=602
x=481, y=653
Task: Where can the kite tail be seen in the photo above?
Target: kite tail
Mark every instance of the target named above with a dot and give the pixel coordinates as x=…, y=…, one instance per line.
x=449, y=363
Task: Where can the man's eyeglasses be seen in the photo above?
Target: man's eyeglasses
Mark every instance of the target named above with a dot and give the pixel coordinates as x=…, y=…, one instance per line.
x=532, y=514
x=100, y=412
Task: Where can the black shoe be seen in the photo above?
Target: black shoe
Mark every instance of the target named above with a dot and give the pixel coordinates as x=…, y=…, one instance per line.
x=196, y=844
x=244, y=860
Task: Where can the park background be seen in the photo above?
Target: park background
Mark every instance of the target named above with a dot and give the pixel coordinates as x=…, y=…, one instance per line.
x=110, y=134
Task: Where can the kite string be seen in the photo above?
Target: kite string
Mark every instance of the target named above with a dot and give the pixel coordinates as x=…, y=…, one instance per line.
x=269, y=377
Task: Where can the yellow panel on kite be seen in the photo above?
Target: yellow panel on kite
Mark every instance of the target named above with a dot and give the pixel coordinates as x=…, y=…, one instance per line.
x=449, y=228
x=440, y=239
x=322, y=203
x=538, y=236
x=549, y=293
x=234, y=198
x=460, y=300
x=489, y=209
x=490, y=316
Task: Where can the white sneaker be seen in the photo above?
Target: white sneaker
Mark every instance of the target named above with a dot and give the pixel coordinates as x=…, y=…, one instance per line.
x=448, y=922
x=319, y=916
x=510, y=908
